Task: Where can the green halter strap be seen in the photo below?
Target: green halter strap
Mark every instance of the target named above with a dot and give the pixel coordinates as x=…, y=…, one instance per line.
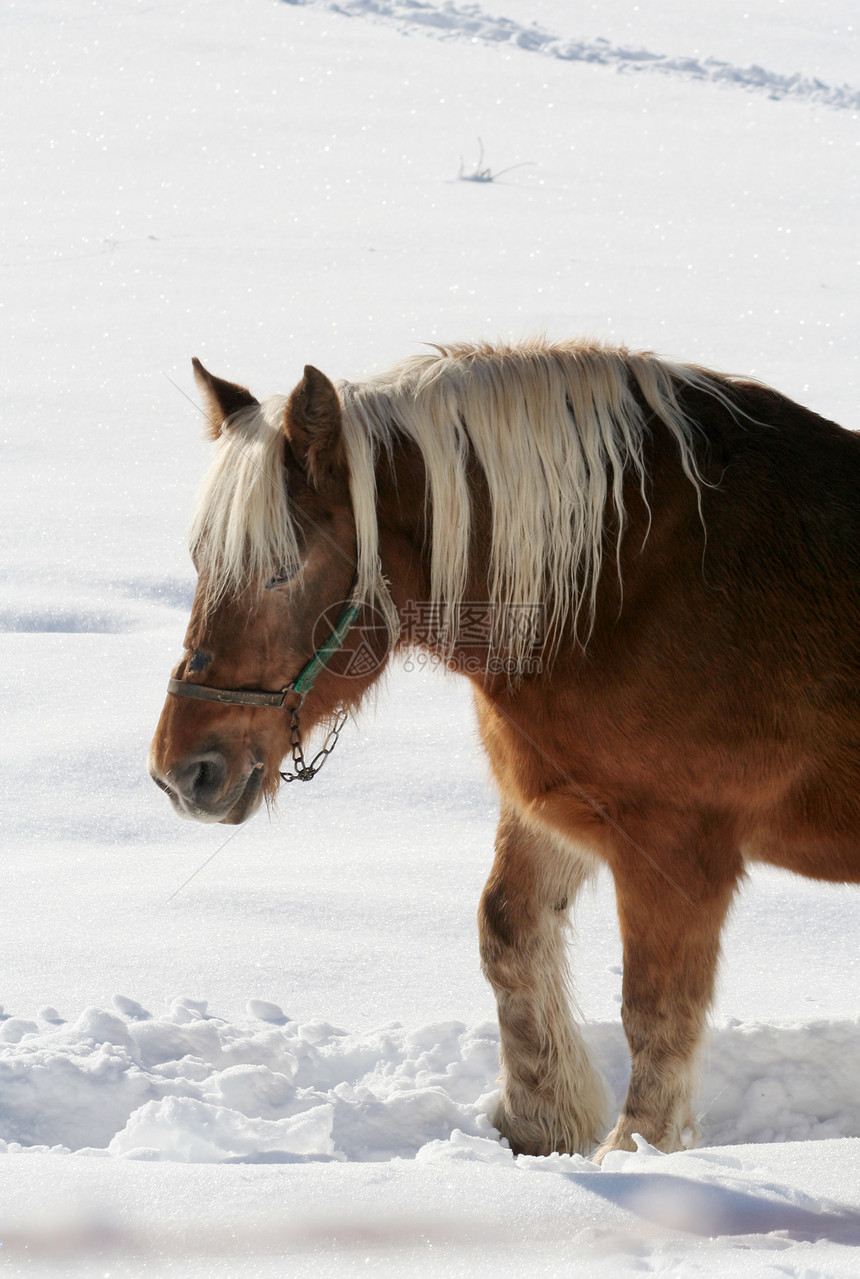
x=306, y=678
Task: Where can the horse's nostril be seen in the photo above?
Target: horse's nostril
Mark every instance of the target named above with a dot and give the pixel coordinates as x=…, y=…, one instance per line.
x=194, y=783
x=203, y=777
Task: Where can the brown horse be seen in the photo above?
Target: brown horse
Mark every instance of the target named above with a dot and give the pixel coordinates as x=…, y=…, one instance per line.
x=651, y=575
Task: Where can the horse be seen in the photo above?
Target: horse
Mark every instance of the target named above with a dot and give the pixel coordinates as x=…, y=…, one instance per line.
x=650, y=574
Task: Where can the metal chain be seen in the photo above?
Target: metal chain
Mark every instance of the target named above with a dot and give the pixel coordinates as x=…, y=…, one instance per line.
x=304, y=772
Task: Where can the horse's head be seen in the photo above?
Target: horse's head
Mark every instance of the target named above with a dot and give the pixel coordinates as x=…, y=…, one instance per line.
x=274, y=544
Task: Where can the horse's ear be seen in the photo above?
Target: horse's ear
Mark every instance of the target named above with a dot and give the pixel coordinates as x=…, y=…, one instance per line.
x=221, y=398
x=313, y=426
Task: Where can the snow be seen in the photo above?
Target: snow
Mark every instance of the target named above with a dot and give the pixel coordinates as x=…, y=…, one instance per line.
x=186, y=1085
x=285, y=1056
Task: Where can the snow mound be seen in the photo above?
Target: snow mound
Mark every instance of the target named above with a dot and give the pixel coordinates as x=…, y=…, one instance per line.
x=189, y=1087
x=469, y=22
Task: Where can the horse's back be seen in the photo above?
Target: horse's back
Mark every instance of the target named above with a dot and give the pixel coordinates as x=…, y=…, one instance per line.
x=781, y=512
x=770, y=602
x=795, y=478
x=720, y=687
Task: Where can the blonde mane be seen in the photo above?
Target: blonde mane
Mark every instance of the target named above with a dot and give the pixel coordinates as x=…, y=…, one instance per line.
x=554, y=427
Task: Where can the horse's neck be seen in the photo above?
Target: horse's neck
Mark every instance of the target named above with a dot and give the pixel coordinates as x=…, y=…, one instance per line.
x=405, y=521
x=402, y=517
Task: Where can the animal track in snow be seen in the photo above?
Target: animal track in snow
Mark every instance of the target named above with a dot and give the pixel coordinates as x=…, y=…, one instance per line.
x=470, y=22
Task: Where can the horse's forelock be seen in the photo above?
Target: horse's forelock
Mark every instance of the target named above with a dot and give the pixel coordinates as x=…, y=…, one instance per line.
x=242, y=532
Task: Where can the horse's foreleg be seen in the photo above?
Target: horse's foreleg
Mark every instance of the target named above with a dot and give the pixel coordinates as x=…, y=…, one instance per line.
x=671, y=940
x=552, y=1098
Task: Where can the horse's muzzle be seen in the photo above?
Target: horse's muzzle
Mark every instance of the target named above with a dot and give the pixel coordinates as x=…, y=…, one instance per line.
x=198, y=788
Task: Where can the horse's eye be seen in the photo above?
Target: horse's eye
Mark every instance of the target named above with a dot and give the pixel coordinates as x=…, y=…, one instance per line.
x=285, y=573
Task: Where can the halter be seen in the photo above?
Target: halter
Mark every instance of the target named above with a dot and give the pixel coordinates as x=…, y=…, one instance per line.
x=301, y=685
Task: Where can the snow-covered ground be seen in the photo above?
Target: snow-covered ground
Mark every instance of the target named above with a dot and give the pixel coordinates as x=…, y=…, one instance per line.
x=289, y=1062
